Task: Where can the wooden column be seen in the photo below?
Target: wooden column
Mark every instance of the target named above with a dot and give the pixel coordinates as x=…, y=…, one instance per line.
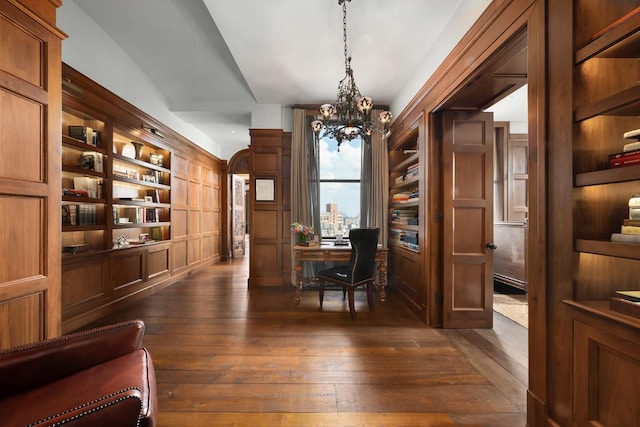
x=269, y=233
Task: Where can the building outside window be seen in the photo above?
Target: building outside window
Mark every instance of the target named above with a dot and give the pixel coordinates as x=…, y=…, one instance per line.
x=339, y=187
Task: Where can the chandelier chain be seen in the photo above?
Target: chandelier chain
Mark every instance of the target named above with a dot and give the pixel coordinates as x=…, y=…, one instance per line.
x=350, y=117
x=344, y=33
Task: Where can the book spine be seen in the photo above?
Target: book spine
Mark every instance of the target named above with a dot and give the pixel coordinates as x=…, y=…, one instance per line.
x=632, y=222
x=625, y=161
x=624, y=154
x=632, y=146
x=634, y=201
x=625, y=238
x=635, y=133
x=629, y=229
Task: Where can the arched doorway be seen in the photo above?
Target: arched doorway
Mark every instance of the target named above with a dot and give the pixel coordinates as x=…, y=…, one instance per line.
x=238, y=224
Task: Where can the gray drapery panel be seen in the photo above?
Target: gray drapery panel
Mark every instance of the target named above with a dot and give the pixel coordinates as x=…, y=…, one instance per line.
x=300, y=205
x=379, y=189
x=305, y=184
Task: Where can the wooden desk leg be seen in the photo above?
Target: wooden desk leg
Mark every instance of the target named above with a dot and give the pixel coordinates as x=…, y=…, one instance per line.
x=382, y=281
x=298, y=269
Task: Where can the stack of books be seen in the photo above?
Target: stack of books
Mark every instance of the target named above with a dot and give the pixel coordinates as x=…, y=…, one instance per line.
x=630, y=154
x=630, y=230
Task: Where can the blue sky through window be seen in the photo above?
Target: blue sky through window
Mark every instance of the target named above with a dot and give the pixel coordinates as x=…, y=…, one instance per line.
x=340, y=165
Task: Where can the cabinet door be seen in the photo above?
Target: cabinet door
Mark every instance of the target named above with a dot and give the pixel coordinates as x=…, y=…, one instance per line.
x=468, y=219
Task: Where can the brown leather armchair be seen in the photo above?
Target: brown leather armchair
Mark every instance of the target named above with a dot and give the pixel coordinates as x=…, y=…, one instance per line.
x=98, y=377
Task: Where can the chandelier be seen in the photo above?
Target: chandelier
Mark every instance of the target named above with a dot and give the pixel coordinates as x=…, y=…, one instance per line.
x=350, y=117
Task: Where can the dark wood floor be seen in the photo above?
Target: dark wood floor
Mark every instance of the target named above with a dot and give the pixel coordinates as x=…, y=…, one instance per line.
x=229, y=356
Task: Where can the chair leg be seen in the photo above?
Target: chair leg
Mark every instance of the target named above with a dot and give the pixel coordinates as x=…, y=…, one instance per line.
x=321, y=293
x=344, y=292
x=370, y=296
x=352, y=308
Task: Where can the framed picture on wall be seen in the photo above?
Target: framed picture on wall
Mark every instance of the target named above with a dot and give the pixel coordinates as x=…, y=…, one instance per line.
x=265, y=190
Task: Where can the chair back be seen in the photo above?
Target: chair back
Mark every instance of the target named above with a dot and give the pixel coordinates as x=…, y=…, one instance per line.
x=364, y=244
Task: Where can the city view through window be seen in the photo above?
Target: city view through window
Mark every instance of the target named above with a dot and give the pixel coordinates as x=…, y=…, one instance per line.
x=339, y=187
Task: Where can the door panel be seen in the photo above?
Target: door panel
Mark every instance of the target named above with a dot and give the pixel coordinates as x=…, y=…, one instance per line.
x=468, y=219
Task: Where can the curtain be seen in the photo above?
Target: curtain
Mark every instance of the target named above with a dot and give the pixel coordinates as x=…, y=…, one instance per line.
x=305, y=184
x=299, y=184
x=374, y=193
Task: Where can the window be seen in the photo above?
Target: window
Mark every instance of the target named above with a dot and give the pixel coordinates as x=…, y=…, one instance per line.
x=339, y=187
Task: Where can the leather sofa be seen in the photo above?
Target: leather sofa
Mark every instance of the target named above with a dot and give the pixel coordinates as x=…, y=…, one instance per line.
x=98, y=377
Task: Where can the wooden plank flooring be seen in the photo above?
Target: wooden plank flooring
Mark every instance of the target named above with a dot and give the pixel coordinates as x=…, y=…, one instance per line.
x=229, y=356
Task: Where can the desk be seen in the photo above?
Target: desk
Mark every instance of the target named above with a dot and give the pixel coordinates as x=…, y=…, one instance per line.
x=329, y=252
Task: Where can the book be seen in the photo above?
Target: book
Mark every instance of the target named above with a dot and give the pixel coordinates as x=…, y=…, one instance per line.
x=634, y=201
x=629, y=295
x=634, y=213
x=625, y=238
x=630, y=229
x=624, y=154
x=625, y=161
x=633, y=222
x=632, y=134
x=631, y=146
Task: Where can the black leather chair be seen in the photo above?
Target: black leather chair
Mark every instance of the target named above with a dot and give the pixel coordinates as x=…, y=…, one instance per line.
x=360, y=270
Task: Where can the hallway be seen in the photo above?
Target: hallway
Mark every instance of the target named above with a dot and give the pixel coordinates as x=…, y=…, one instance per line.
x=226, y=355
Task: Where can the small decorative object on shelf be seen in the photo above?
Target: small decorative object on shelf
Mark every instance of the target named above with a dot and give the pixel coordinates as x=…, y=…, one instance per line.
x=156, y=159
x=138, y=146
x=304, y=234
x=120, y=242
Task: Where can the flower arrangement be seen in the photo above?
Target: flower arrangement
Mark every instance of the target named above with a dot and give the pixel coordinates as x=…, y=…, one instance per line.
x=304, y=232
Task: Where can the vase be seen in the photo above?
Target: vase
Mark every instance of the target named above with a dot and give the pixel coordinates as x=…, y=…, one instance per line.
x=302, y=238
x=138, y=146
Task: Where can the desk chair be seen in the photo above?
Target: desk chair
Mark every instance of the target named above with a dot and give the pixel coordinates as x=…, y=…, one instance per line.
x=360, y=270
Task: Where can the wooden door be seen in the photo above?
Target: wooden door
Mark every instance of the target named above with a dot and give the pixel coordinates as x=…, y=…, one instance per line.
x=238, y=216
x=467, y=167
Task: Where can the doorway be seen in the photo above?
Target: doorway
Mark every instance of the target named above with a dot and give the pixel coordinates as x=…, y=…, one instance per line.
x=238, y=218
x=499, y=80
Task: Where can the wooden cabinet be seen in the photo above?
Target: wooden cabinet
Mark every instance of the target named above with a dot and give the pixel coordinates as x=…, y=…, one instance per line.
x=127, y=178
x=29, y=171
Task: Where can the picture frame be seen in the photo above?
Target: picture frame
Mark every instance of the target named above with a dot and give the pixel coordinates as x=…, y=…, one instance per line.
x=265, y=189
x=148, y=199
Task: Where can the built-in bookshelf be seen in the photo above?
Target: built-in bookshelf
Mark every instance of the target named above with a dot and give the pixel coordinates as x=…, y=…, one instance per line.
x=406, y=226
x=140, y=189
x=83, y=177
x=606, y=107
x=142, y=204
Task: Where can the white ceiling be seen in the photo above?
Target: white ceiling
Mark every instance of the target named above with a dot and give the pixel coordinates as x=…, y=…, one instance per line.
x=217, y=62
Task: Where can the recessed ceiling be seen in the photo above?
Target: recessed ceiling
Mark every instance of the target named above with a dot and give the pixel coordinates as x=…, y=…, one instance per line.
x=216, y=62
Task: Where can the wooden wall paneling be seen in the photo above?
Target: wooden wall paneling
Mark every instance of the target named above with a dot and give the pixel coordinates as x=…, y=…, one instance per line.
x=84, y=284
x=138, y=271
x=266, y=241
x=30, y=100
x=286, y=209
x=179, y=255
x=127, y=269
x=158, y=259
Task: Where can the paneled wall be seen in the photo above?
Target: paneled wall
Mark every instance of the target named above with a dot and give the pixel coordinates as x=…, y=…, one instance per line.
x=269, y=253
x=30, y=122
